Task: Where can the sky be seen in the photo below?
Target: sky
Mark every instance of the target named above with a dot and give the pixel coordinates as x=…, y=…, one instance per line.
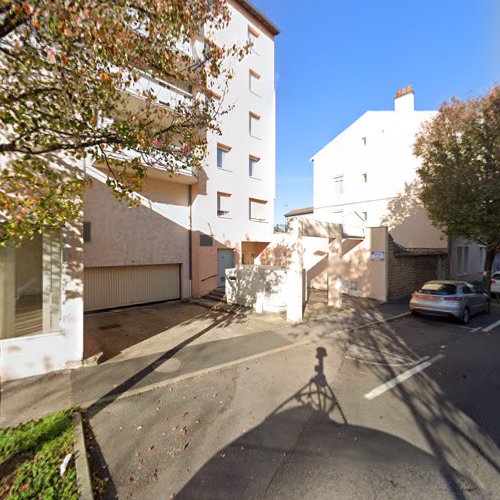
x=336, y=59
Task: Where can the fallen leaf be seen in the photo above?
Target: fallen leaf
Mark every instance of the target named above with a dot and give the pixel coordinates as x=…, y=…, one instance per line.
x=222, y=454
x=184, y=446
x=150, y=449
x=183, y=432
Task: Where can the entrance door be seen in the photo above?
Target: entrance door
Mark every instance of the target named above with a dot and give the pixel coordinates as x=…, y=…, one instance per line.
x=225, y=260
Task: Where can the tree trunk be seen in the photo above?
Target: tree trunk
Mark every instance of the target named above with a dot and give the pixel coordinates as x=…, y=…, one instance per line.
x=488, y=265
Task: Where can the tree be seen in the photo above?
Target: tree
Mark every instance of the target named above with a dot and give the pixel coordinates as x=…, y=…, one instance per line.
x=460, y=171
x=66, y=69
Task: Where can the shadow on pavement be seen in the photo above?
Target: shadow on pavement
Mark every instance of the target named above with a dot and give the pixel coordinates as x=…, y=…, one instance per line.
x=327, y=458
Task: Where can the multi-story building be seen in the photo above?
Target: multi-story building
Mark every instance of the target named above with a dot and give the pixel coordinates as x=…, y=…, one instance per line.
x=188, y=228
x=366, y=176
x=194, y=225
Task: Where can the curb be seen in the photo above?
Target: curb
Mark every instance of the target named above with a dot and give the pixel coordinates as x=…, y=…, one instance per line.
x=229, y=364
x=83, y=479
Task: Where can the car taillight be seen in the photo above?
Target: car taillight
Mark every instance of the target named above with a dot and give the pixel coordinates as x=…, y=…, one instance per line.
x=455, y=299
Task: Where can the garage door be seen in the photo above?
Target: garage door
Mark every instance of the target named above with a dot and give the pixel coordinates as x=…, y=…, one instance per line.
x=107, y=287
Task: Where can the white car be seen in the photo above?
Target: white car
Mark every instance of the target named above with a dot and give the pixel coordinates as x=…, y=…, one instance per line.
x=495, y=283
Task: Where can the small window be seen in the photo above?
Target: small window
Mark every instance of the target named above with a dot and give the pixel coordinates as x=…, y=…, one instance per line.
x=253, y=82
x=365, y=177
x=258, y=210
x=253, y=170
x=364, y=141
x=223, y=205
x=339, y=185
x=365, y=216
x=86, y=232
x=253, y=36
x=254, y=125
x=222, y=152
x=206, y=240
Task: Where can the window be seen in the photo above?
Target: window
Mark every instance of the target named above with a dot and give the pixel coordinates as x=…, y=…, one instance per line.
x=482, y=258
x=254, y=124
x=206, y=240
x=365, y=216
x=222, y=152
x=223, y=204
x=253, y=170
x=364, y=141
x=31, y=288
x=365, y=177
x=462, y=260
x=86, y=232
x=253, y=82
x=258, y=210
x=253, y=36
x=339, y=185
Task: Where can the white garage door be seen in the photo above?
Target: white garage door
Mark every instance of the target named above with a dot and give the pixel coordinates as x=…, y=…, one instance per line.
x=107, y=287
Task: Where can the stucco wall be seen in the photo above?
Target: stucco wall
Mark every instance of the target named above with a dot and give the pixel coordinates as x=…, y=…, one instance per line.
x=153, y=233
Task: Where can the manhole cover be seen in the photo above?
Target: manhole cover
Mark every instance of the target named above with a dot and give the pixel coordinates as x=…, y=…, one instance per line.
x=168, y=366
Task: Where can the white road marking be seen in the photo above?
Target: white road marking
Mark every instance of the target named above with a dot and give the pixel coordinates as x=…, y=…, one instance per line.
x=475, y=329
x=401, y=378
x=493, y=325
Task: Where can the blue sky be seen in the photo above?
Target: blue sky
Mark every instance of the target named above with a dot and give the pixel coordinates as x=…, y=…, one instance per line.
x=335, y=59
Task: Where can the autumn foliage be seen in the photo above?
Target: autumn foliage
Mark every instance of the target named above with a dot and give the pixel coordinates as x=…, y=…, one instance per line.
x=66, y=71
x=460, y=170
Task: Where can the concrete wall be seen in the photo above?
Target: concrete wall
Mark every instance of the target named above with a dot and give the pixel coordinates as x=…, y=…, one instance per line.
x=262, y=287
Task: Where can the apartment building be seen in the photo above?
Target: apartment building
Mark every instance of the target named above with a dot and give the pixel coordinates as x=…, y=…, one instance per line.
x=365, y=177
x=192, y=226
x=188, y=229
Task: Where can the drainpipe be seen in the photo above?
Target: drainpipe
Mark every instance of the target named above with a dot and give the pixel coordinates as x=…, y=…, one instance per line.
x=190, y=201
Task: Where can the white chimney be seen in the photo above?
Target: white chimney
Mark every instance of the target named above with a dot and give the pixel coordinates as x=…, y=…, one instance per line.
x=405, y=99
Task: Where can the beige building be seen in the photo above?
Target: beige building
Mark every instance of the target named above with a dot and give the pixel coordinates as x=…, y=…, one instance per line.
x=193, y=226
x=188, y=229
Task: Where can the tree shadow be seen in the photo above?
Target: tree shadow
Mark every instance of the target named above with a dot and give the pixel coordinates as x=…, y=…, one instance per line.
x=307, y=449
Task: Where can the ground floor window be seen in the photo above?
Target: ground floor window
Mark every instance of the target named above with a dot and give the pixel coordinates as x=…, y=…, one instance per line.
x=30, y=284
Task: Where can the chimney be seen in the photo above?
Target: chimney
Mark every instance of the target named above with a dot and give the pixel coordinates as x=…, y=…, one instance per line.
x=405, y=99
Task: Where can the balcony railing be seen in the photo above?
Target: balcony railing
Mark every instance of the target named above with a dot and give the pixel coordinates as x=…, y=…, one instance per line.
x=167, y=94
x=183, y=174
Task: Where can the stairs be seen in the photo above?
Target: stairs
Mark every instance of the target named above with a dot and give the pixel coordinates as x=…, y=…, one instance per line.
x=216, y=295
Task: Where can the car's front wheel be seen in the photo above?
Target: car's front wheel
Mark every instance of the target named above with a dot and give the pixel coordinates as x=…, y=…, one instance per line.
x=466, y=316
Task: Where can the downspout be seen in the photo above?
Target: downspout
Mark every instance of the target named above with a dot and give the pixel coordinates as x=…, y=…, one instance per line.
x=190, y=245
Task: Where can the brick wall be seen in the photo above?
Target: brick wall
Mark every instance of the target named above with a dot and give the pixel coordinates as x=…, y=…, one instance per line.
x=408, y=271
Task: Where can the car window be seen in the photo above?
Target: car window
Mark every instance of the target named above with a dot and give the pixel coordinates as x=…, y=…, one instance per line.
x=466, y=289
x=439, y=289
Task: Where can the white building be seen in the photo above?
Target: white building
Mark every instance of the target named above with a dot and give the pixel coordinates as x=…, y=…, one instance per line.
x=365, y=177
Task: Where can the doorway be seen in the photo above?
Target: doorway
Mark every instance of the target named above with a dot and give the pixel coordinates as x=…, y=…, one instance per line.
x=225, y=260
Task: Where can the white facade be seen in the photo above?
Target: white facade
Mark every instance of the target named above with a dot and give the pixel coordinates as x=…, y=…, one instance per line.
x=365, y=177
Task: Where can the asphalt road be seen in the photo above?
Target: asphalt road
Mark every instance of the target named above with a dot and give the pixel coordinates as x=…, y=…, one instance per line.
x=410, y=409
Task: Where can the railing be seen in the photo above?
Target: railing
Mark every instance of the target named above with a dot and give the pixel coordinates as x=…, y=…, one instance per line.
x=167, y=94
x=213, y=276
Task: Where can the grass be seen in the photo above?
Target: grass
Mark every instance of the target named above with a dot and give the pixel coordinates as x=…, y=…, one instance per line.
x=31, y=455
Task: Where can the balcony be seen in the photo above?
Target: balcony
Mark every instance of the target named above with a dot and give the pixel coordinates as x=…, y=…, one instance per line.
x=167, y=94
x=183, y=175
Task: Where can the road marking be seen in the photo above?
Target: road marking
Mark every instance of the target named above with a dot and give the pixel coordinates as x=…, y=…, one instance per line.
x=493, y=325
x=401, y=378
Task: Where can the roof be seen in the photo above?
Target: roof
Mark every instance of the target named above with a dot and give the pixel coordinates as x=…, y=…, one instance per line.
x=257, y=14
x=300, y=211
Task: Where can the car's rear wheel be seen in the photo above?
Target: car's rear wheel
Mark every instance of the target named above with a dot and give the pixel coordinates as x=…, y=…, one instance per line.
x=466, y=316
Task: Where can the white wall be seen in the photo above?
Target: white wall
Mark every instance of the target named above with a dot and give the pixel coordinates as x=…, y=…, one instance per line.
x=379, y=146
x=234, y=126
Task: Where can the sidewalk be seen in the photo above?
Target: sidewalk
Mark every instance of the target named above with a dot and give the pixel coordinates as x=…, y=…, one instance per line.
x=102, y=384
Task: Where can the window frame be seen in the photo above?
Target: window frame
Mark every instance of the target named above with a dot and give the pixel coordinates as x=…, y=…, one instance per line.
x=254, y=116
x=225, y=150
x=256, y=161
